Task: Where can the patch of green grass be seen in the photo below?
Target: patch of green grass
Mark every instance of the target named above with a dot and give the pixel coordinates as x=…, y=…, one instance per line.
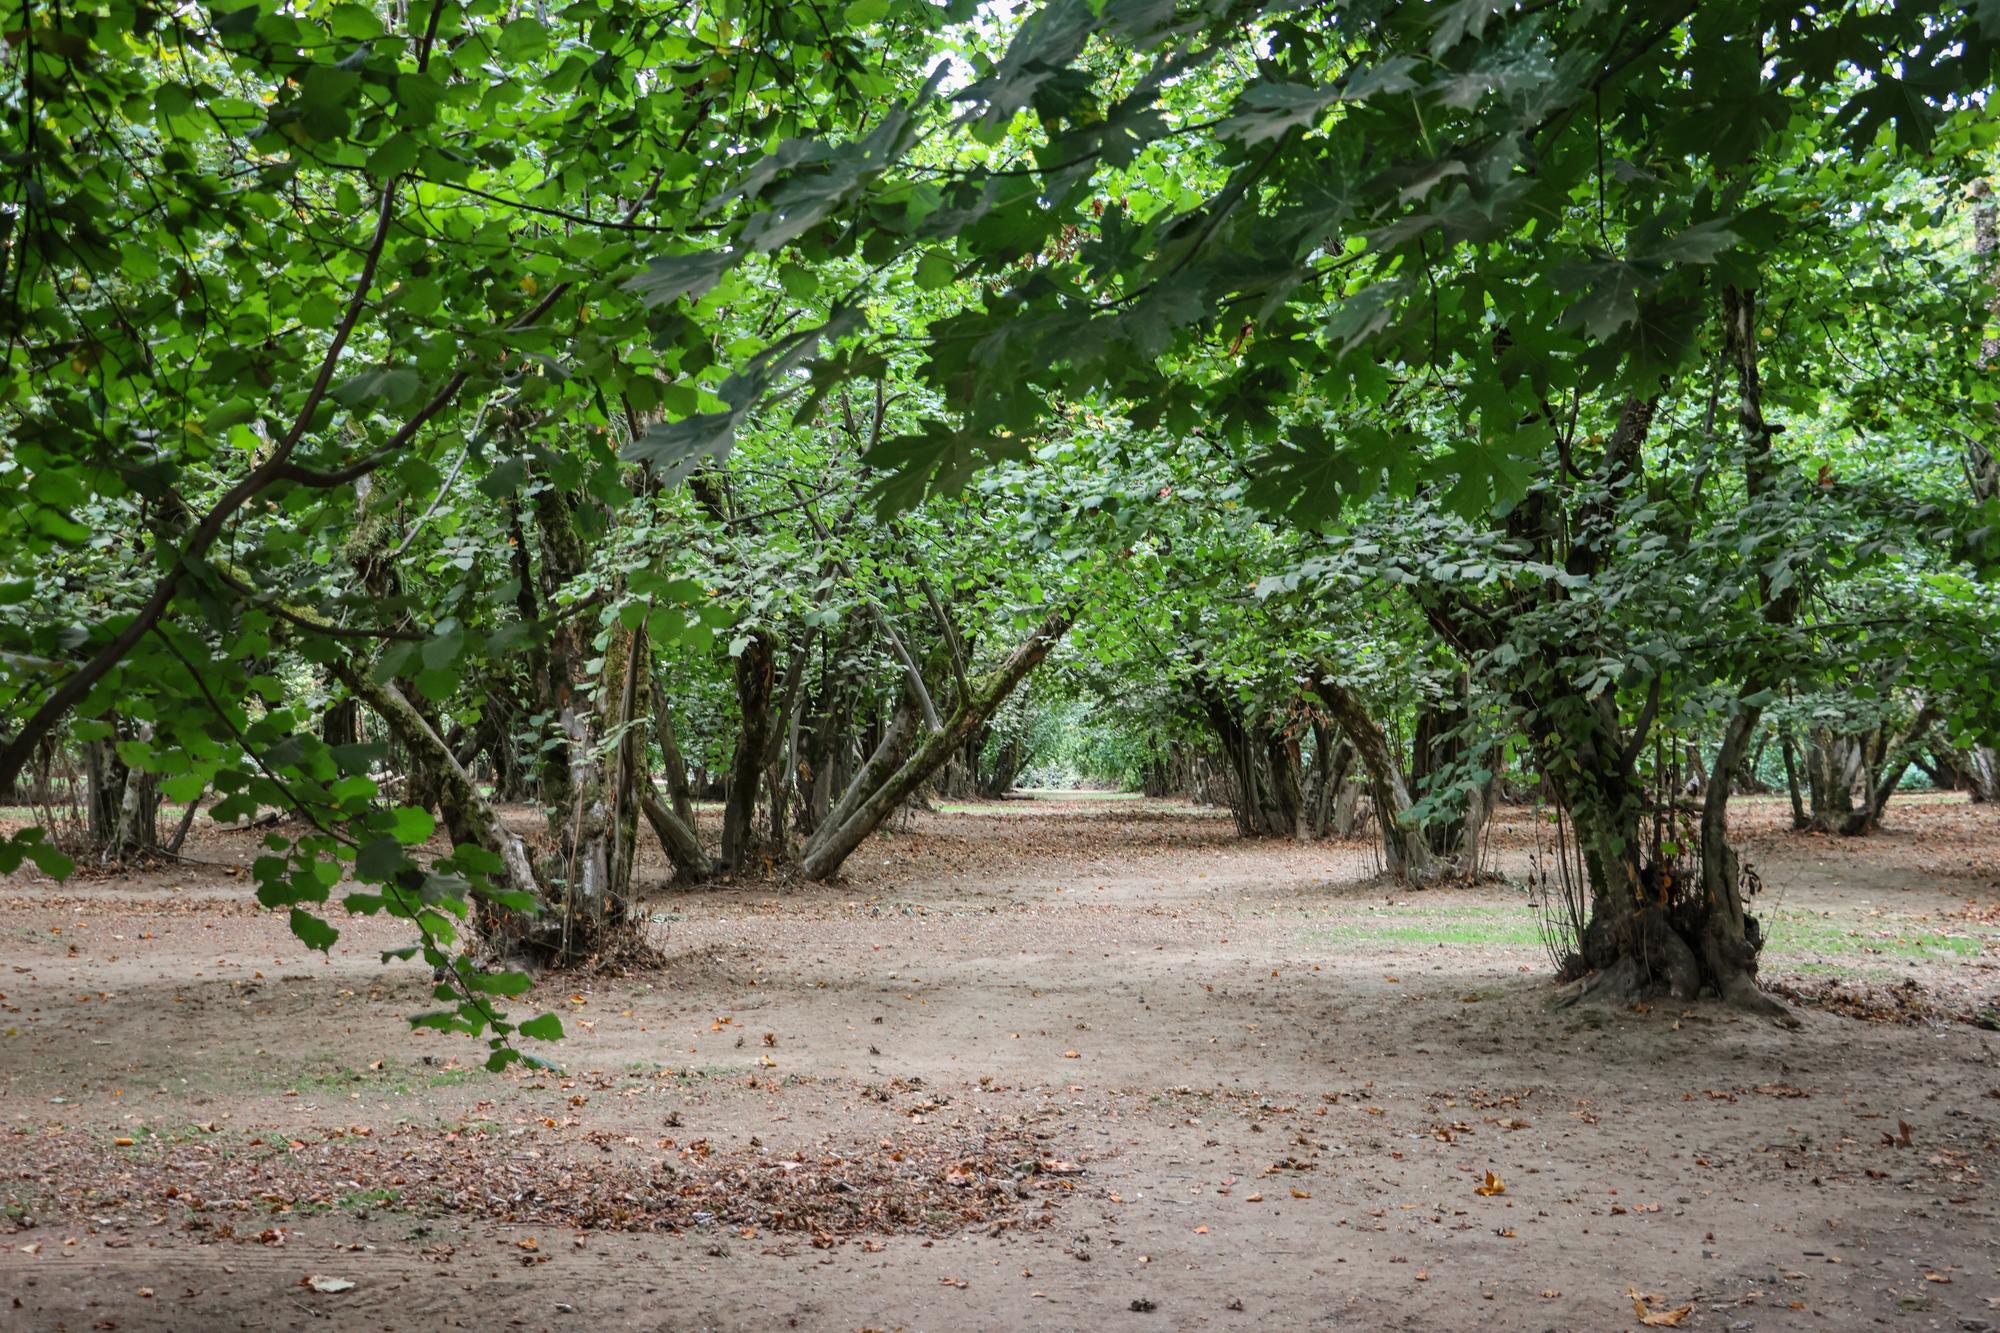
x=357, y=1202
x=1497, y=927
x=1797, y=933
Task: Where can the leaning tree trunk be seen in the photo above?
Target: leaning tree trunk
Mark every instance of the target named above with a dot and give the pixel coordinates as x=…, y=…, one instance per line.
x=469, y=817
x=671, y=758
x=1405, y=853
x=1881, y=778
x=1982, y=773
x=887, y=780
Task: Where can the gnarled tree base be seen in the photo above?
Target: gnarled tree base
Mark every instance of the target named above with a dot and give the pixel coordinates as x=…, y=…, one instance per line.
x=1656, y=954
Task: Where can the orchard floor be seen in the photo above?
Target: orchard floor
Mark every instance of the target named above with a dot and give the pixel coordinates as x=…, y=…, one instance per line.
x=1053, y=1063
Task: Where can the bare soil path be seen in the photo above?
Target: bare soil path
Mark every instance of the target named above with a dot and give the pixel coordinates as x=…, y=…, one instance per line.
x=1034, y=1064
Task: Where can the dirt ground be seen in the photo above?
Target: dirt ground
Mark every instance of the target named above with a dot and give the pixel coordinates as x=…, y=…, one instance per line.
x=1035, y=1064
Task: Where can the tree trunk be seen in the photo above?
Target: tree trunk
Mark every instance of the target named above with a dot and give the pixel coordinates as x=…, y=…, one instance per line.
x=1265, y=792
x=105, y=779
x=468, y=813
x=754, y=680
x=340, y=725
x=1831, y=761
x=677, y=839
x=1982, y=466
x=1982, y=771
x=1800, y=821
x=137, y=830
x=1008, y=761
x=671, y=759
x=1729, y=938
x=1405, y=854
x=867, y=804
x=1441, y=773
x=1881, y=779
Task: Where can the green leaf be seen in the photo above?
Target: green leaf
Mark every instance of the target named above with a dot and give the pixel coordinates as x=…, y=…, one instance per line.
x=397, y=154
x=411, y=826
x=1699, y=244
x=508, y=984
x=935, y=270
x=543, y=1027
x=311, y=931
x=380, y=860
x=670, y=277
x=391, y=387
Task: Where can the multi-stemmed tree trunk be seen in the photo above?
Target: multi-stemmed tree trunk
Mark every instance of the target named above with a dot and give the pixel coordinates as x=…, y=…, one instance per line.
x=904, y=761
x=1266, y=793
x=1647, y=927
x=1884, y=757
x=1405, y=853
x=1728, y=938
x=1442, y=775
x=137, y=831
x=583, y=881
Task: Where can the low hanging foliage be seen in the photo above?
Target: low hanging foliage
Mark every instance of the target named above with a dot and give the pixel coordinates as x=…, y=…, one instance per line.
x=413, y=411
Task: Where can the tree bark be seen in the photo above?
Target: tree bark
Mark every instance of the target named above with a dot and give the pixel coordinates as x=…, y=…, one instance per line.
x=677, y=839
x=1800, y=821
x=1892, y=761
x=754, y=680
x=1405, y=854
x=868, y=804
x=137, y=831
x=468, y=811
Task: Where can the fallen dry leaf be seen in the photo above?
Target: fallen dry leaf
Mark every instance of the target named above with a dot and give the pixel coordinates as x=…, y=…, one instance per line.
x=1492, y=1187
x=326, y=1286
x=1656, y=1318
